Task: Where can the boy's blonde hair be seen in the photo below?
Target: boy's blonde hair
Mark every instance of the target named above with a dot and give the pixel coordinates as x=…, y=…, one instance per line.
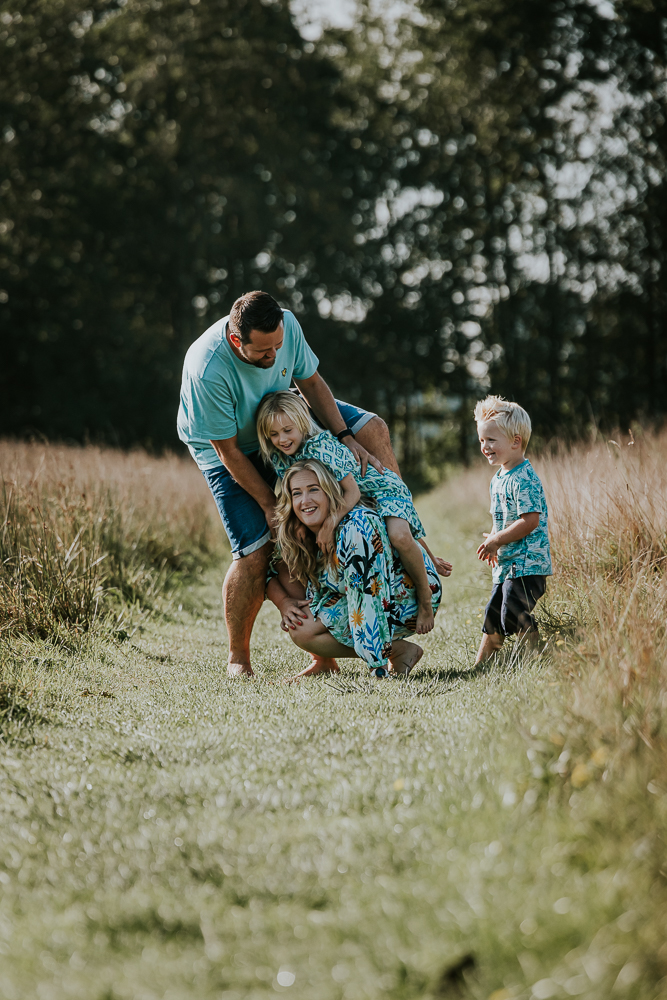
x=292, y=406
x=511, y=418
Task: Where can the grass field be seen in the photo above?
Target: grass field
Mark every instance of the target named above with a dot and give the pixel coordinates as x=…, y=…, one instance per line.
x=167, y=833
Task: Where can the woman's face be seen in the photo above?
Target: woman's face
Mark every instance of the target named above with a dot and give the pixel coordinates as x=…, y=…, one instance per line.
x=310, y=502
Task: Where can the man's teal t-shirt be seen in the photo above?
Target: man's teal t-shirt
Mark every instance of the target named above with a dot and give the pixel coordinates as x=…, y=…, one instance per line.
x=220, y=393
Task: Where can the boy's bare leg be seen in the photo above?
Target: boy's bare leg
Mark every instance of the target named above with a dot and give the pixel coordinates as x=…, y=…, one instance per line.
x=530, y=640
x=401, y=538
x=374, y=437
x=242, y=596
x=490, y=644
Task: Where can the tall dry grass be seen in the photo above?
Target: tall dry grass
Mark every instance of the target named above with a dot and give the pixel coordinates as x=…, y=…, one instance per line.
x=87, y=531
x=608, y=523
x=606, y=605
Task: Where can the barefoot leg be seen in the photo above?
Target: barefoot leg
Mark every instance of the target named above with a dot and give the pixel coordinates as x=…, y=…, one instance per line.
x=317, y=640
x=401, y=538
x=243, y=595
x=404, y=656
x=490, y=644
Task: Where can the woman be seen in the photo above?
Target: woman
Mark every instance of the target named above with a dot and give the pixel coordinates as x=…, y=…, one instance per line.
x=360, y=601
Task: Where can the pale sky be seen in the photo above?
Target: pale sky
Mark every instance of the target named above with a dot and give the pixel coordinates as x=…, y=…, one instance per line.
x=312, y=15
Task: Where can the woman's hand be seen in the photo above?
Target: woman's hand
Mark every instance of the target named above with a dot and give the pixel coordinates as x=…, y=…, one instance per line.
x=293, y=613
x=325, y=536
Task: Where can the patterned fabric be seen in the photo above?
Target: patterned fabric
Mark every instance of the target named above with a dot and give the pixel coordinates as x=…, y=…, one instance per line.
x=513, y=494
x=391, y=495
x=371, y=600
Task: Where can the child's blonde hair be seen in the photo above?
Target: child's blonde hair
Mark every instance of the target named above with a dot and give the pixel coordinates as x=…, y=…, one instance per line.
x=292, y=406
x=511, y=418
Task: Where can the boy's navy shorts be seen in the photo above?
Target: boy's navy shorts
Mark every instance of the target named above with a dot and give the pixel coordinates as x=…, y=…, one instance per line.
x=512, y=601
x=242, y=517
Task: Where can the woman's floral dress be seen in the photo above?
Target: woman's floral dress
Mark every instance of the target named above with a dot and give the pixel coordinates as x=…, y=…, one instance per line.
x=371, y=600
x=391, y=495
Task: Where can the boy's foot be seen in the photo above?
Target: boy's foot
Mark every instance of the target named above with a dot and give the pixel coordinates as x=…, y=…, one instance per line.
x=404, y=656
x=318, y=665
x=443, y=567
x=425, y=620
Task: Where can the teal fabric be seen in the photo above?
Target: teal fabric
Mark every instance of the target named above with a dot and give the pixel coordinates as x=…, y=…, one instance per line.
x=513, y=494
x=391, y=495
x=220, y=393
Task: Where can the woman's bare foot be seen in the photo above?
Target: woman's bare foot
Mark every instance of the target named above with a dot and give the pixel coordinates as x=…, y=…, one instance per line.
x=443, y=568
x=425, y=619
x=318, y=665
x=404, y=656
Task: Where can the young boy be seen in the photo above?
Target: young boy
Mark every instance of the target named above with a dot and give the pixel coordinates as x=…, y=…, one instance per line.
x=518, y=546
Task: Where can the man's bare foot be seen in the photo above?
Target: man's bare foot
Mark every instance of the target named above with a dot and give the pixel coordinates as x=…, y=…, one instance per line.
x=236, y=669
x=318, y=665
x=425, y=620
x=404, y=656
x=443, y=567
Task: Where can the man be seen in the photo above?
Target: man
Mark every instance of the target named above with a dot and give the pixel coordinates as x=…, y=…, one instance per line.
x=257, y=349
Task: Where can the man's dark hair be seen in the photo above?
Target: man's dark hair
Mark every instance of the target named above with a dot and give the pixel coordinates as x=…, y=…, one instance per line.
x=254, y=311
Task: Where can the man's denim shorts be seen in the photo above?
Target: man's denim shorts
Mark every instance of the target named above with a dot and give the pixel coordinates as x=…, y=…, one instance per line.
x=242, y=517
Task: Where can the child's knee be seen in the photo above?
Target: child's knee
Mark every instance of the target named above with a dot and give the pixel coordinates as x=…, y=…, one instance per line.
x=398, y=531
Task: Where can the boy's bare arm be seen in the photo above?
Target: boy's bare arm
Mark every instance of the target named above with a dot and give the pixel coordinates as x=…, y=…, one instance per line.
x=488, y=550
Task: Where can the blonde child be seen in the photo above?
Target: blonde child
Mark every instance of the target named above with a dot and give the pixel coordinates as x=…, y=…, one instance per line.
x=287, y=434
x=518, y=547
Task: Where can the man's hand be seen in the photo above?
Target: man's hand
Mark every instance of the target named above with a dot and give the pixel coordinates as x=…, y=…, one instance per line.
x=319, y=397
x=270, y=515
x=488, y=550
x=293, y=613
x=325, y=536
x=363, y=457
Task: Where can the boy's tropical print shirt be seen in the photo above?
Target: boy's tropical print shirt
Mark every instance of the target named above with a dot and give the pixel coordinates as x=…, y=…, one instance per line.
x=370, y=600
x=513, y=494
x=391, y=495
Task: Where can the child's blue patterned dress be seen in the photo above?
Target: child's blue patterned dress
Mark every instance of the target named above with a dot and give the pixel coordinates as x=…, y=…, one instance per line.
x=391, y=495
x=369, y=600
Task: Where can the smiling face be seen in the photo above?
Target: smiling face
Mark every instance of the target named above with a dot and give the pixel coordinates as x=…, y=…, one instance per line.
x=261, y=349
x=309, y=501
x=497, y=447
x=284, y=435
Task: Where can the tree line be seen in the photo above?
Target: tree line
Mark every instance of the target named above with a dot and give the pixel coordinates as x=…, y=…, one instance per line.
x=470, y=197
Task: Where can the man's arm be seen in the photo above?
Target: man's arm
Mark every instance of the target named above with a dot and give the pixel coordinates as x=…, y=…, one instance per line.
x=246, y=475
x=323, y=405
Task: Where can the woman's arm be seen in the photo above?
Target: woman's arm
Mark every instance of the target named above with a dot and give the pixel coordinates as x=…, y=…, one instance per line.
x=292, y=613
x=351, y=496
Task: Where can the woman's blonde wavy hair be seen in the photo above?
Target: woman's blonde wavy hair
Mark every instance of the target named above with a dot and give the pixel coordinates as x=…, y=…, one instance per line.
x=298, y=547
x=292, y=406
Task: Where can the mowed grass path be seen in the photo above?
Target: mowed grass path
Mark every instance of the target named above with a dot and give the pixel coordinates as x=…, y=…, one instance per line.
x=167, y=833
